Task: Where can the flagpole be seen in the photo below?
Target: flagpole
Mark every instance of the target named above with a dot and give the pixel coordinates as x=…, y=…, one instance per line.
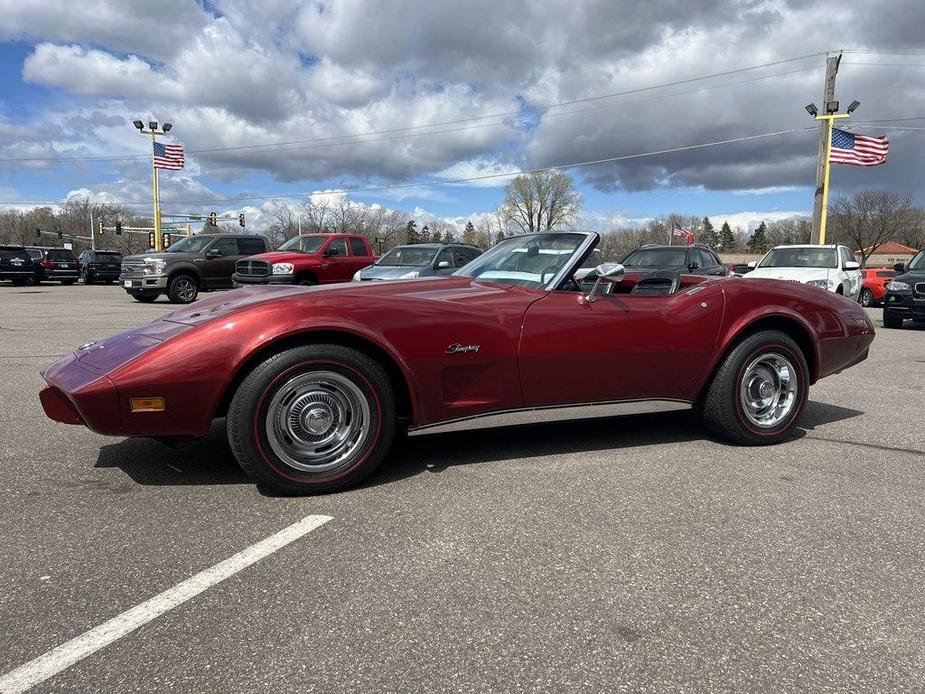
x=158, y=240
x=824, y=213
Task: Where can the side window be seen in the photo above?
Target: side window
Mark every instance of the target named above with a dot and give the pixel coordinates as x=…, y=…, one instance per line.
x=709, y=260
x=846, y=256
x=357, y=247
x=461, y=256
x=225, y=246
x=250, y=246
x=445, y=256
x=340, y=244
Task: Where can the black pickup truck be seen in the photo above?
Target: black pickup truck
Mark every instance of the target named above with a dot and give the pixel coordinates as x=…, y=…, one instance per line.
x=197, y=263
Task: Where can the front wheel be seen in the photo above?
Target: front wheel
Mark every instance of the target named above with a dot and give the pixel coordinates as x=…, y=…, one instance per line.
x=67, y=283
x=891, y=321
x=144, y=298
x=759, y=390
x=182, y=289
x=867, y=297
x=312, y=419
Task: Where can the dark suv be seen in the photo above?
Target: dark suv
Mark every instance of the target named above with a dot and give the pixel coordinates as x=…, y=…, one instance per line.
x=692, y=260
x=100, y=266
x=16, y=265
x=54, y=264
x=197, y=263
x=905, y=294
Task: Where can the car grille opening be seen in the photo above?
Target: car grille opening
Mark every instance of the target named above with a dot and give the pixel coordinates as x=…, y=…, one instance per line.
x=254, y=268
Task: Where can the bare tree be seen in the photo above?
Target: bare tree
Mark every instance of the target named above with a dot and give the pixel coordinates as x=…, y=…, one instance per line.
x=541, y=201
x=870, y=218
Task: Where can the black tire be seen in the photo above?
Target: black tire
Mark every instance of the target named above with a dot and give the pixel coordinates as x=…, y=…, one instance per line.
x=109, y=281
x=867, y=297
x=891, y=321
x=182, y=289
x=18, y=283
x=723, y=411
x=271, y=392
x=306, y=281
x=86, y=277
x=145, y=298
x=67, y=283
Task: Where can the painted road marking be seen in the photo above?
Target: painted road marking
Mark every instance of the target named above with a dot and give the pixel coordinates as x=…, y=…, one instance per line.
x=65, y=655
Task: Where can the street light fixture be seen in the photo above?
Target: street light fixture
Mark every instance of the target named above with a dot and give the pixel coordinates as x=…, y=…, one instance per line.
x=152, y=124
x=138, y=124
x=853, y=106
x=810, y=109
x=152, y=130
x=167, y=126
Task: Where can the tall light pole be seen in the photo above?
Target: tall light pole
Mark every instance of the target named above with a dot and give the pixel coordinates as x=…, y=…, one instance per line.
x=828, y=118
x=153, y=131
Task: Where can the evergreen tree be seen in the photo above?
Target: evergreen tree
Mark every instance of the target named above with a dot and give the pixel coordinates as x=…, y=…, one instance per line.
x=469, y=235
x=438, y=236
x=708, y=235
x=499, y=237
x=758, y=243
x=727, y=241
x=412, y=232
x=425, y=234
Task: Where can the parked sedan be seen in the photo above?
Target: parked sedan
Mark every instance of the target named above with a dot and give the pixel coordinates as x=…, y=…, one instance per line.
x=873, y=285
x=314, y=383
x=100, y=266
x=418, y=260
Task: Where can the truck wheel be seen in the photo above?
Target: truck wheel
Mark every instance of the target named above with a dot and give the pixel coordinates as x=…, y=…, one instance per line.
x=182, y=289
x=867, y=297
x=67, y=283
x=759, y=390
x=144, y=298
x=312, y=419
x=891, y=321
x=306, y=281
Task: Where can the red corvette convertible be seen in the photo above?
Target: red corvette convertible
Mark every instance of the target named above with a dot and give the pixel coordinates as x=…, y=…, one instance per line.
x=315, y=382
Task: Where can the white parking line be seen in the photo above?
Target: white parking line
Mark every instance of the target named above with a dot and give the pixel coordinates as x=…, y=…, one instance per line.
x=65, y=655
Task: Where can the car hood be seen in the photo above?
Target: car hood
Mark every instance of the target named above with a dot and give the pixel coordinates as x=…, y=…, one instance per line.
x=913, y=277
x=792, y=274
x=140, y=257
x=287, y=257
x=389, y=272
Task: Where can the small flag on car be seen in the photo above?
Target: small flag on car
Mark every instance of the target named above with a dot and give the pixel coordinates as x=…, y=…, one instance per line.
x=168, y=156
x=684, y=233
x=854, y=149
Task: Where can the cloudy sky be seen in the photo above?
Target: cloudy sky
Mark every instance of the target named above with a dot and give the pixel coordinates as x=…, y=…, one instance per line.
x=277, y=97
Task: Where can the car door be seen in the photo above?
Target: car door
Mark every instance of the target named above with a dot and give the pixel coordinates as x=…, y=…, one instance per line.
x=218, y=263
x=620, y=347
x=337, y=265
x=444, y=256
x=850, y=279
x=359, y=255
x=710, y=264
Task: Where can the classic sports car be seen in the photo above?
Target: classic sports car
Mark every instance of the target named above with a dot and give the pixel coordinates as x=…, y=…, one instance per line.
x=315, y=382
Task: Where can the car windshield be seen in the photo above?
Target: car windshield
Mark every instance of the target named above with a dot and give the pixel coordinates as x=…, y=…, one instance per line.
x=408, y=256
x=800, y=257
x=529, y=260
x=10, y=253
x=656, y=257
x=304, y=244
x=191, y=244
x=61, y=254
x=108, y=255
x=918, y=261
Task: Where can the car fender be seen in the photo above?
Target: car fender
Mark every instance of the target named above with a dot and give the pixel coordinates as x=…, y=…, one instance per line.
x=185, y=267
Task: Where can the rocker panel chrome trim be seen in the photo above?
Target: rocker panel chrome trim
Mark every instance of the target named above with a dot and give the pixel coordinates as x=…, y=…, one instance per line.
x=553, y=413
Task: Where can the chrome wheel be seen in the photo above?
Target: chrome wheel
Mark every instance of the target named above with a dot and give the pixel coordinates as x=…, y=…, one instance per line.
x=185, y=289
x=317, y=420
x=867, y=298
x=768, y=391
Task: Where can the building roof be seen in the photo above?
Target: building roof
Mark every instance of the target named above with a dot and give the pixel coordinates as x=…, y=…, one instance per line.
x=892, y=248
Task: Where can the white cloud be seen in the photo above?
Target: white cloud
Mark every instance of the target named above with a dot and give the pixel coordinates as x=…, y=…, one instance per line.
x=750, y=220
x=480, y=167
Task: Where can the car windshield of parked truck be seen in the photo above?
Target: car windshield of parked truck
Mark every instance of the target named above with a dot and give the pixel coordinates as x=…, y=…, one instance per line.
x=531, y=260
x=917, y=262
x=656, y=257
x=191, y=244
x=304, y=244
x=800, y=257
x=408, y=256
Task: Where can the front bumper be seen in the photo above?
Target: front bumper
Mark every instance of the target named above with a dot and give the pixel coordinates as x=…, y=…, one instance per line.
x=140, y=283
x=904, y=305
x=102, y=273
x=243, y=280
x=58, y=275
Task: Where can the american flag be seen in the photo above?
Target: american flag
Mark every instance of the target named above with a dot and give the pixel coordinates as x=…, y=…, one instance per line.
x=858, y=150
x=684, y=233
x=168, y=156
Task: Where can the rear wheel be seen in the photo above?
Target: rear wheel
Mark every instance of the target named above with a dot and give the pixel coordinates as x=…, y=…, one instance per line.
x=68, y=283
x=759, y=390
x=312, y=419
x=182, y=289
x=891, y=321
x=867, y=297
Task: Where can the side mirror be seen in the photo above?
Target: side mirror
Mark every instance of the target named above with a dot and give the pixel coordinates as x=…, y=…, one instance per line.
x=330, y=252
x=606, y=272
x=752, y=265
x=852, y=265
x=899, y=267
x=443, y=264
x=213, y=253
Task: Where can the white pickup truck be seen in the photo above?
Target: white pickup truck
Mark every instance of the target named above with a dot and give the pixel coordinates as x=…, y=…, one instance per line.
x=829, y=267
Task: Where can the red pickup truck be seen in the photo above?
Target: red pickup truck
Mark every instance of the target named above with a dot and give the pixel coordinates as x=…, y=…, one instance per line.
x=307, y=259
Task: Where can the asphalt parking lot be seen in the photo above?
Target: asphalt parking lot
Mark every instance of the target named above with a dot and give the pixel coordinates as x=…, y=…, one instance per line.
x=620, y=554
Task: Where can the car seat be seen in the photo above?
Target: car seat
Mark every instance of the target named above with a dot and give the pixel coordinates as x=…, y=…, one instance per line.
x=658, y=283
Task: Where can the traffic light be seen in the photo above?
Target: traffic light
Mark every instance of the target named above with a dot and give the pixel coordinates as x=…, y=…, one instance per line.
x=99, y=229
x=213, y=219
x=60, y=236
x=118, y=228
x=38, y=234
x=150, y=239
x=165, y=239
x=241, y=220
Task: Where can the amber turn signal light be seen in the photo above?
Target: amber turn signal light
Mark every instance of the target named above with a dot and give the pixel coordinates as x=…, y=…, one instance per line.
x=146, y=404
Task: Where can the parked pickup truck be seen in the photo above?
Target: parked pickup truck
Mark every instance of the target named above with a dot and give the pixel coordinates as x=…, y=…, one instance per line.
x=308, y=259
x=197, y=263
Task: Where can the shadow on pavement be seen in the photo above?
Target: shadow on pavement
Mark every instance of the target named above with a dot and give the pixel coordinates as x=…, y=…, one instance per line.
x=209, y=461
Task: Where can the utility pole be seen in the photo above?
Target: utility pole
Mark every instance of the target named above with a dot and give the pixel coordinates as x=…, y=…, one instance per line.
x=92, y=231
x=153, y=131
x=825, y=138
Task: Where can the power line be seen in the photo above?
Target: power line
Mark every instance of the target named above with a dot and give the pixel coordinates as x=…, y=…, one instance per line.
x=482, y=177
x=544, y=111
